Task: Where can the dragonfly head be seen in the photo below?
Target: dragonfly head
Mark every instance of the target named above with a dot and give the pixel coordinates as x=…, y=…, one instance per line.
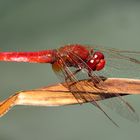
x=96, y=61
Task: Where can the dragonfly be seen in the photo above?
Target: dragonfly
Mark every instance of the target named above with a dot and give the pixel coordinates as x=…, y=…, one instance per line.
x=75, y=62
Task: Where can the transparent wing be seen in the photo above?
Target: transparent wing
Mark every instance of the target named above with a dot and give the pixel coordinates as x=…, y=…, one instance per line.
x=67, y=74
x=120, y=63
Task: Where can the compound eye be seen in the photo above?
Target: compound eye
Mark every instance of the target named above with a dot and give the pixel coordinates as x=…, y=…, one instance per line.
x=100, y=65
x=92, y=63
x=97, y=61
x=98, y=55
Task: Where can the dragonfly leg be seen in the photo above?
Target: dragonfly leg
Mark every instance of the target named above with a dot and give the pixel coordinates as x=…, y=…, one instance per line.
x=97, y=82
x=73, y=74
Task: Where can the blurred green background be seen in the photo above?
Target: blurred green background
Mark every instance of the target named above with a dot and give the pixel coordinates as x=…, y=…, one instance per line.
x=31, y=25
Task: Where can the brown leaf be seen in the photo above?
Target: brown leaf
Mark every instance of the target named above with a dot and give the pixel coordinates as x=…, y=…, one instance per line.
x=58, y=95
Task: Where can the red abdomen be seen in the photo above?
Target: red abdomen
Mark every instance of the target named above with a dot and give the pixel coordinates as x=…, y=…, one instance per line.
x=45, y=56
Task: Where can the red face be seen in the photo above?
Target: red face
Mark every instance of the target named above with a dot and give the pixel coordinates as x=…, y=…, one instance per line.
x=96, y=62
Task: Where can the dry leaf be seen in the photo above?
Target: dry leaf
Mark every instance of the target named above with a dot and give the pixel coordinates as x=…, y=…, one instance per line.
x=58, y=95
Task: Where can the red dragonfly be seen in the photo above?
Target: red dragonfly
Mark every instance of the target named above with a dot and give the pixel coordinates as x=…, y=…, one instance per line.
x=72, y=63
